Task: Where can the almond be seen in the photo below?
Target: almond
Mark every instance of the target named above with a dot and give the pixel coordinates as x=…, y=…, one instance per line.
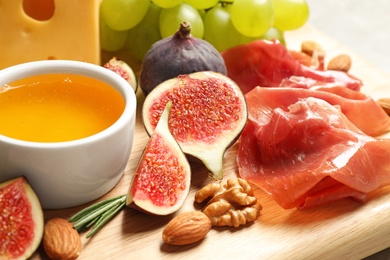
x=341, y=62
x=61, y=240
x=186, y=228
x=385, y=104
x=311, y=48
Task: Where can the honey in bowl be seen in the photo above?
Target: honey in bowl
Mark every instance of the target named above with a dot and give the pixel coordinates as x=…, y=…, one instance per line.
x=58, y=107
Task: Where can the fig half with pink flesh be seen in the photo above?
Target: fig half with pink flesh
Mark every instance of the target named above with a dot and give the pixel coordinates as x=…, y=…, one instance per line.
x=161, y=182
x=208, y=114
x=122, y=69
x=21, y=220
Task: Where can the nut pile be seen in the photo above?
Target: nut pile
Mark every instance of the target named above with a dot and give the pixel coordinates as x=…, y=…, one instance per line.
x=229, y=204
x=340, y=62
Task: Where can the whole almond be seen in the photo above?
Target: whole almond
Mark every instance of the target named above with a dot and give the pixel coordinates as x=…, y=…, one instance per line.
x=311, y=47
x=61, y=240
x=341, y=62
x=186, y=228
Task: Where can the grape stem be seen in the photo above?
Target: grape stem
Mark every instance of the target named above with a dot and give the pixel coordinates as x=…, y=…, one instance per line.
x=225, y=3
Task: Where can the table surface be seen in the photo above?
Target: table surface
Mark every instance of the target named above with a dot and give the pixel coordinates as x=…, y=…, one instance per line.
x=343, y=229
x=363, y=27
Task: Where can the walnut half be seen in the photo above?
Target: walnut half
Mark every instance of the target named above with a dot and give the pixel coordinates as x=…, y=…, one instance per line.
x=230, y=204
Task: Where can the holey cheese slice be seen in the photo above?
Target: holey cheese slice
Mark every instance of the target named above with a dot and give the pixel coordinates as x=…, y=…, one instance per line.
x=70, y=31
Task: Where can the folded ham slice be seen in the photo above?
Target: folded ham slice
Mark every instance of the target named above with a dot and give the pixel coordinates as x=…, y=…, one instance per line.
x=304, y=151
x=359, y=108
x=269, y=63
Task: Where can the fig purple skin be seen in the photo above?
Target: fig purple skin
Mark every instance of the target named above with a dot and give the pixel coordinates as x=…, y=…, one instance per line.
x=176, y=55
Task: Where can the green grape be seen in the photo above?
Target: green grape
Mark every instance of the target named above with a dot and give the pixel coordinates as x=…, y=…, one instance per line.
x=201, y=4
x=202, y=13
x=274, y=34
x=245, y=39
x=144, y=34
x=252, y=18
x=166, y=3
x=122, y=15
x=219, y=30
x=111, y=40
x=290, y=14
x=171, y=18
x=271, y=34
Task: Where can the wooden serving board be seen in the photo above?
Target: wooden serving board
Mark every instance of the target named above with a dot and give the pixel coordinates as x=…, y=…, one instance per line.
x=344, y=229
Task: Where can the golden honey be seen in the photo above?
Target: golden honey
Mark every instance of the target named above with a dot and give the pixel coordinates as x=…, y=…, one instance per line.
x=57, y=107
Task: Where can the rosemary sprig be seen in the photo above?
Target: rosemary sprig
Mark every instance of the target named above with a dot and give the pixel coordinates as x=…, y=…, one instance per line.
x=105, y=218
x=89, y=209
x=98, y=214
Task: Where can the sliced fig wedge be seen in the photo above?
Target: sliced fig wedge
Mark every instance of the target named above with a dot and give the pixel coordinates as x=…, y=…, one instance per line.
x=208, y=114
x=161, y=182
x=21, y=220
x=122, y=69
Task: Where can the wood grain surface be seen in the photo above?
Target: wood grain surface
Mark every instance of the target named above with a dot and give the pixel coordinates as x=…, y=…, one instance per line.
x=341, y=230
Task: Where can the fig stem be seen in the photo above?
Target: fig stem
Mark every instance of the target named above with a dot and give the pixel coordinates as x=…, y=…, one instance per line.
x=184, y=31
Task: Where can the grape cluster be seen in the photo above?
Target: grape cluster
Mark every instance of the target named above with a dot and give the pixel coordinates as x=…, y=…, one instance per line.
x=137, y=24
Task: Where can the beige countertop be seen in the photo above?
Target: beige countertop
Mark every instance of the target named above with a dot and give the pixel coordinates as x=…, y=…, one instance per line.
x=363, y=27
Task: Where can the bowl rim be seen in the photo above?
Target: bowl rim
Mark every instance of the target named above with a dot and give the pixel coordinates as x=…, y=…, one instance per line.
x=80, y=68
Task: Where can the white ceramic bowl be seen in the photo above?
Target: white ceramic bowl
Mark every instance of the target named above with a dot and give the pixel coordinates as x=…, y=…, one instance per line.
x=66, y=174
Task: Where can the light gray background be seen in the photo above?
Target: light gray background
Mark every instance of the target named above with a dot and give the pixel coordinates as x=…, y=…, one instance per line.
x=361, y=25
x=364, y=27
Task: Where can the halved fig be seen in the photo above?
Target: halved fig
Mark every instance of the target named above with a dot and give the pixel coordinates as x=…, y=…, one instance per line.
x=122, y=69
x=21, y=220
x=208, y=114
x=162, y=179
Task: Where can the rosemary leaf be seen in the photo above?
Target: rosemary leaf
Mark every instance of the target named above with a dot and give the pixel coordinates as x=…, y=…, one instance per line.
x=89, y=209
x=92, y=222
x=98, y=211
x=108, y=212
x=105, y=218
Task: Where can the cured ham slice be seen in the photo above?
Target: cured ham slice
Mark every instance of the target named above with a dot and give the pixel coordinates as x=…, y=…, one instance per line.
x=268, y=63
x=359, y=108
x=305, y=152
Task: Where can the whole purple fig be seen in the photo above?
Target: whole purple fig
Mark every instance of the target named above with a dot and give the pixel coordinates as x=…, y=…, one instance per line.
x=178, y=54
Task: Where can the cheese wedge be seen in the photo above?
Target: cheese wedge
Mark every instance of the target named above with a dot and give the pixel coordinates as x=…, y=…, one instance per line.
x=72, y=33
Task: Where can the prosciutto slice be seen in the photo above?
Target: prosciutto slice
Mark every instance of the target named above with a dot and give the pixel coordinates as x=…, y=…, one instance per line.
x=305, y=151
x=268, y=63
x=359, y=108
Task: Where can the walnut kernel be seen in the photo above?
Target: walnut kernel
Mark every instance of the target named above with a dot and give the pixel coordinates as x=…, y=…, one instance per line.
x=229, y=204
